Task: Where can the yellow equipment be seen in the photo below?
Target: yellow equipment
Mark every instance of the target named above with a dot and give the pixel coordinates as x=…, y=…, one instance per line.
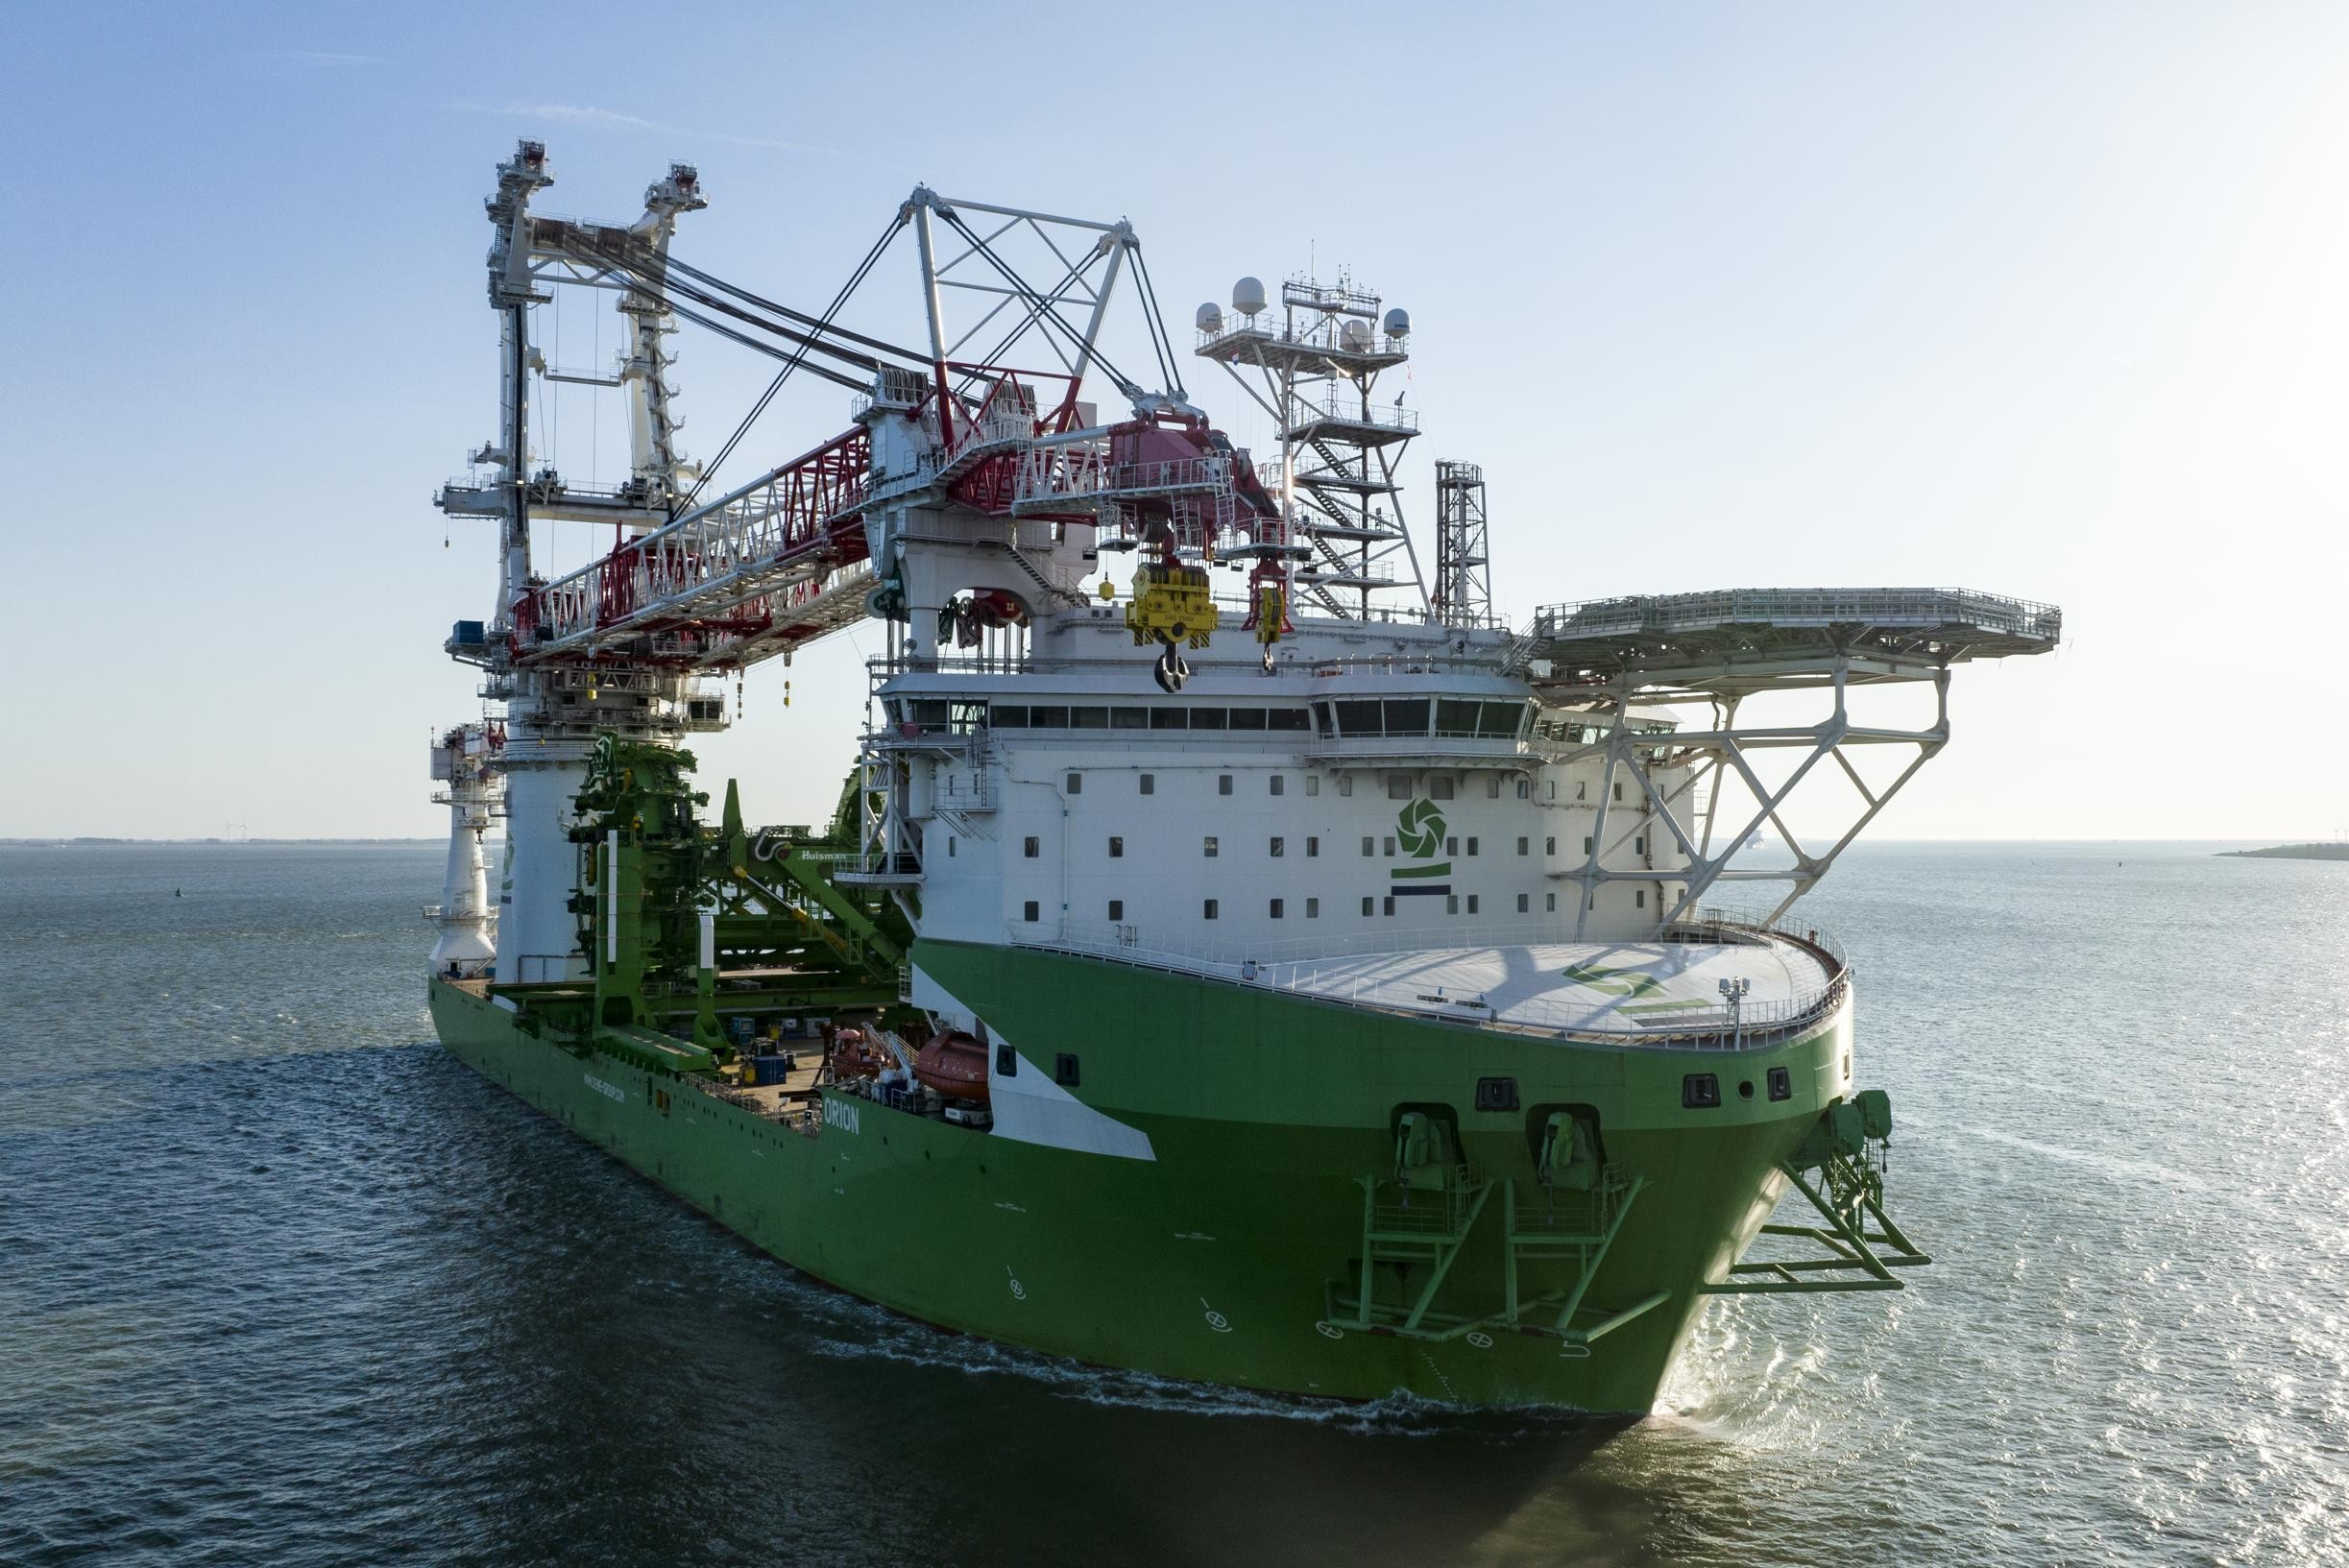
x=1170, y=605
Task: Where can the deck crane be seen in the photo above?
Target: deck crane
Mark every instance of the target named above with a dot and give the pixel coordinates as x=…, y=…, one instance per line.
x=974, y=486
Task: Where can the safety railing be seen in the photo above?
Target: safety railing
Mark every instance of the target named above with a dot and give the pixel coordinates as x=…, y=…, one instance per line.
x=1921, y=606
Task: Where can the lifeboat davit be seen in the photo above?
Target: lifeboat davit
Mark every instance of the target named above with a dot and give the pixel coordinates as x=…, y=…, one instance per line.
x=955, y=1064
x=856, y=1055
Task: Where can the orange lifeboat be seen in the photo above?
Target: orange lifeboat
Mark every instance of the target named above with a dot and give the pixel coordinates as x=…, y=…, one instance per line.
x=955, y=1064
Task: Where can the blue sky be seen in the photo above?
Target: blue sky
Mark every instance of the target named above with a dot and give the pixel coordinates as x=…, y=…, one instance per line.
x=2043, y=299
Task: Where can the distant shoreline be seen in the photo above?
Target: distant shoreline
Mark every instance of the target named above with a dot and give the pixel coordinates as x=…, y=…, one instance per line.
x=2293, y=852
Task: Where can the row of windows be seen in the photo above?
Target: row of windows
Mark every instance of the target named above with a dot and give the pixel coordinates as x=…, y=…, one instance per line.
x=1211, y=846
x=1277, y=908
x=1409, y=718
x=1400, y=787
x=1084, y=716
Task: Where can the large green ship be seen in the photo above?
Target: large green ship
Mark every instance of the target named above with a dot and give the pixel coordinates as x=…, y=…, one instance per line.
x=1336, y=1002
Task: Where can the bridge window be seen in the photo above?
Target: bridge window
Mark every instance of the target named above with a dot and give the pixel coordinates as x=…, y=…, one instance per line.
x=1284, y=719
x=1130, y=718
x=1358, y=718
x=1169, y=718
x=1321, y=722
x=1405, y=716
x=1010, y=716
x=1088, y=719
x=1207, y=718
x=1048, y=719
x=1247, y=718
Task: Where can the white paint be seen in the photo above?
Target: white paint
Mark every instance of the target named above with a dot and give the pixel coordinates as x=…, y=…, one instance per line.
x=611, y=1091
x=1029, y=1107
x=611, y=897
x=841, y=1115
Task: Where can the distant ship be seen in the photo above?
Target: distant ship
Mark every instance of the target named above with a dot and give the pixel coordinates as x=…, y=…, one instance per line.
x=1300, y=979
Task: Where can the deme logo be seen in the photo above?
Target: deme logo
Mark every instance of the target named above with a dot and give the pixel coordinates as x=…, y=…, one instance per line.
x=1418, y=826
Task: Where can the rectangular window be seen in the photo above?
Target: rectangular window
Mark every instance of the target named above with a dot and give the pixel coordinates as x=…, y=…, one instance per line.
x=1492, y=787
x=1496, y=1093
x=1247, y=718
x=1207, y=718
x=1405, y=716
x=1499, y=720
x=1117, y=909
x=1130, y=718
x=1276, y=908
x=1524, y=846
x=1280, y=784
x=1169, y=718
x=1006, y=1062
x=1321, y=725
x=1150, y=784
x=1549, y=903
x=1471, y=843
x=1390, y=903
x=1700, y=1091
x=1366, y=844
x=1451, y=903
x=1782, y=1084
x=1471, y=904
x=1208, y=913
x=1313, y=783
x=1077, y=783
x=1285, y=719
x=1313, y=847
x=1346, y=786
x=1031, y=848
x=1357, y=718
x=1549, y=845
x=1222, y=783
x=1618, y=789
x=1365, y=906
x=1639, y=898
x=1117, y=847
x=1088, y=719
x=1525, y=789
x=1064, y=1070
x=1440, y=787
x=1451, y=846
x=1313, y=908
x=1398, y=787
x=1585, y=844
x=1279, y=846
x=950, y=846
x=1525, y=903
x=1049, y=718
x=1390, y=843
x=1027, y=910
x=1581, y=790
x=1639, y=845
x=1210, y=846
x=1454, y=717
x=1011, y=718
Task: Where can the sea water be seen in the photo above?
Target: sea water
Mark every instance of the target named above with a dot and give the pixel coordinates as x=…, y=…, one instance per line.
x=280, y=1283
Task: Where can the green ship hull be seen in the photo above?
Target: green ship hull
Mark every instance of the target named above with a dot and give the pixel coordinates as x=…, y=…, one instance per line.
x=1225, y=1239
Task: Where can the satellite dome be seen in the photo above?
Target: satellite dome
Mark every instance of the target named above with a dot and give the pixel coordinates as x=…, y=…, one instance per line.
x=1399, y=323
x=1209, y=318
x=1355, y=334
x=1248, y=295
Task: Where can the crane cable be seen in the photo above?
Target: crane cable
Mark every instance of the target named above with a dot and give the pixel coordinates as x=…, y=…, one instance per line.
x=1048, y=316
x=855, y=281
